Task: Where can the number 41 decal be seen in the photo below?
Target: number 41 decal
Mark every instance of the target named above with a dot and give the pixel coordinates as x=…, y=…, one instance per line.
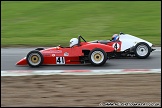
x=60, y=60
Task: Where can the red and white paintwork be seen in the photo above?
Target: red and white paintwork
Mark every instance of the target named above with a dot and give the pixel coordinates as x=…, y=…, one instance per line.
x=69, y=54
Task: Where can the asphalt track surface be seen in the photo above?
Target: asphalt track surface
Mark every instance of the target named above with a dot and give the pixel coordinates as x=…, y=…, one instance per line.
x=9, y=57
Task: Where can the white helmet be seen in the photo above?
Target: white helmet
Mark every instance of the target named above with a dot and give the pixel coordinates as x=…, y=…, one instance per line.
x=73, y=41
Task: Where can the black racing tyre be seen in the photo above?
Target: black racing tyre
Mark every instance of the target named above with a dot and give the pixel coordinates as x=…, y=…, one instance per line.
x=34, y=58
x=97, y=57
x=142, y=50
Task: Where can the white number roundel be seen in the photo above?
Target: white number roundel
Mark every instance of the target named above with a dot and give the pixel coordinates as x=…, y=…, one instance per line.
x=116, y=46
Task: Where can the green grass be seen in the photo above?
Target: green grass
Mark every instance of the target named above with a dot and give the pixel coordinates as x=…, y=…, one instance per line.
x=50, y=23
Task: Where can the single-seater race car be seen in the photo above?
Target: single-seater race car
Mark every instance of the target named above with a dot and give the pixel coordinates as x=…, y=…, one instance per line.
x=79, y=52
x=127, y=45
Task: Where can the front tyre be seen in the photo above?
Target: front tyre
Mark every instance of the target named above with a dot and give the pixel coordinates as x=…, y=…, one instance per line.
x=34, y=58
x=142, y=50
x=97, y=57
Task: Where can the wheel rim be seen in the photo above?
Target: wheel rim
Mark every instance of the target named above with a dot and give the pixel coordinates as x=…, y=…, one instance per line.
x=97, y=57
x=142, y=50
x=34, y=59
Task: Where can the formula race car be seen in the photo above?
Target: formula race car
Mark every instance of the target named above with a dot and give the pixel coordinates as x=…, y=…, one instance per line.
x=79, y=52
x=128, y=46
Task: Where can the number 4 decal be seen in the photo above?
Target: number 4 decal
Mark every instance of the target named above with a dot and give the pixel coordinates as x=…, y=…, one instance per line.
x=60, y=60
x=116, y=46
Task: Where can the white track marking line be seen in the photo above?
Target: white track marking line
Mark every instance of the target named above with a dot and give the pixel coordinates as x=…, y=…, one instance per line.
x=78, y=72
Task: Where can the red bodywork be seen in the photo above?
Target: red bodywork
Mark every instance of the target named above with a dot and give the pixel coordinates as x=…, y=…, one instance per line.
x=69, y=55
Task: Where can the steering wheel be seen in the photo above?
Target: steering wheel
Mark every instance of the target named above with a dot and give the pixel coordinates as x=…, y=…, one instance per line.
x=79, y=39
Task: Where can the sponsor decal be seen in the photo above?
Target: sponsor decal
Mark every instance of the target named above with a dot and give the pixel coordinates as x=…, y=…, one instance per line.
x=46, y=54
x=66, y=54
x=53, y=55
x=56, y=51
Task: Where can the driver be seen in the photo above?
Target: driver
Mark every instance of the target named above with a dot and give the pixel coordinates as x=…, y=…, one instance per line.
x=73, y=41
x=115, y=37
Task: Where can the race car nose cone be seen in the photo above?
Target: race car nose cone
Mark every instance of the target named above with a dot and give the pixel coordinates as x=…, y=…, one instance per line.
x=22, y=62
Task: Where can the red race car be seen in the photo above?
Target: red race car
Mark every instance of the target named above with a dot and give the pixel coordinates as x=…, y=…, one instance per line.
x=79, y=52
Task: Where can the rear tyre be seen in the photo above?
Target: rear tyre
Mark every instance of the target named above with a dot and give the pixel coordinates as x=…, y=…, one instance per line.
x=34, y=58
x=97, y=57
x=142, y=50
